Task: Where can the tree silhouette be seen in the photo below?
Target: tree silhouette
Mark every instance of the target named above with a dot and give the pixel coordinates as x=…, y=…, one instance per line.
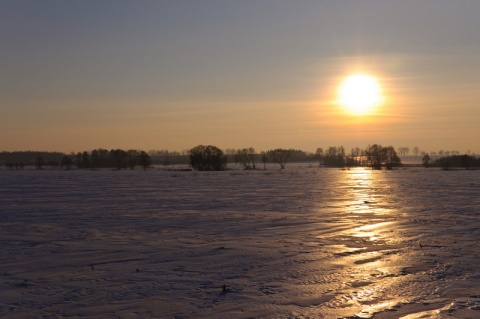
x=145, y=160
x=355, y=156
x=95, y=159
x=120, y=158
x=132, y=158
x=375, y=156
x=166, y=159
x=416, y=151
x=264, y=160
x=79, y=160
x=334, y=156
x=426, y=160
x=466, y=160
x=105, y=159
x=391, y=157
x=85, y=160
x=39, y=162
x=246, y=156
x=319, y=156
x=378, y=155
x=403, y=150
x=207, y=158
x=280, y=156
x=66, y=162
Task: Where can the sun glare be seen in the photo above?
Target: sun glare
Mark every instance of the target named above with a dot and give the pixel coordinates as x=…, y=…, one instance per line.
x=359, y=94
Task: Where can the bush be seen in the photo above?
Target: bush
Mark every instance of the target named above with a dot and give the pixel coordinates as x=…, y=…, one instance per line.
x=207, y=158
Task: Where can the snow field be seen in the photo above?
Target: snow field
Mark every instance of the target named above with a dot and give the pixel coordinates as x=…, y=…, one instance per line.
x=302, y=243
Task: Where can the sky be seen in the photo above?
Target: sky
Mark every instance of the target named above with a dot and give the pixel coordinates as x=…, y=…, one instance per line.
x=150, y=75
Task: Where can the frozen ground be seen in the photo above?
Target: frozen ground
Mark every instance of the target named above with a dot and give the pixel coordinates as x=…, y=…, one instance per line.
x=303, y=243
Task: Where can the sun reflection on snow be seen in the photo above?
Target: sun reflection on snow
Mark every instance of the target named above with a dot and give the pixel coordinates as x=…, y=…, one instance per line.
x=365, y=198
x=373, y=226
x=371, y=231
x=366, y=244
x=360, y=182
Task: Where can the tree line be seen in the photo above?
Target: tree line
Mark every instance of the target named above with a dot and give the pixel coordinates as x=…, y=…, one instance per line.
x=415, y=151
x=18, y=160
x=203, y=158
x=206, y=158
x=209, y=157
x=98, y=158
x=453, y=161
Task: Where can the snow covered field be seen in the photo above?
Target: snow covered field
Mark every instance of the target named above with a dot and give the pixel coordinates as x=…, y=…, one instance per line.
x=302, y=243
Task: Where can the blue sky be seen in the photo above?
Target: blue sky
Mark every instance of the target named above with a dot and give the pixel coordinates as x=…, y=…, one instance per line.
x=77, y=75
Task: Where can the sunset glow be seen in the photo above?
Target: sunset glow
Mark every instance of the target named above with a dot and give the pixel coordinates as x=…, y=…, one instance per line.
x=175, y=74
x=359, y=94
x=239, y=159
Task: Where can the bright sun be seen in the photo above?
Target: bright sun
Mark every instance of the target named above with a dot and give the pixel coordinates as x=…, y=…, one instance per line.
x=359, y=94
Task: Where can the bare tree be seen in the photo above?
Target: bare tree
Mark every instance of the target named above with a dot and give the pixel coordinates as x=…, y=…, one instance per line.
x=280, y=156
x=166, y=159
x=375, y=156
x=264, y=159
x=378, y=155
x=391, y=157
x=355, y=155
x=403, y=150
x=416, y=151
x=246, y=156
x=334, y=156
x=319, y=156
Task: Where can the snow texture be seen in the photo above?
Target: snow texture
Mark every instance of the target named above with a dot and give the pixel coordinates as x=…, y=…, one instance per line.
x=304, y=242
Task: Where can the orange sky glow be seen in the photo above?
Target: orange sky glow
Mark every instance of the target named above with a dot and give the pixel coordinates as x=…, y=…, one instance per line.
x=172, y=75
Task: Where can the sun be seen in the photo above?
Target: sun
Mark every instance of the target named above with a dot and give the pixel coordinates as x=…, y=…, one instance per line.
x=360, y=94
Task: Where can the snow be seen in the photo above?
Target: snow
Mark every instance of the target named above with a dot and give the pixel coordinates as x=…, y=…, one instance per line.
x=305, y=242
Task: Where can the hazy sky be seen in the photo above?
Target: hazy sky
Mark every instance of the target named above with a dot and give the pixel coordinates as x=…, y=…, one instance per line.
x=79, y=75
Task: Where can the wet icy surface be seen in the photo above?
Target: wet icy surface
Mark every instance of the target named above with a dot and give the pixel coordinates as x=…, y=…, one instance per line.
x=300, y=243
